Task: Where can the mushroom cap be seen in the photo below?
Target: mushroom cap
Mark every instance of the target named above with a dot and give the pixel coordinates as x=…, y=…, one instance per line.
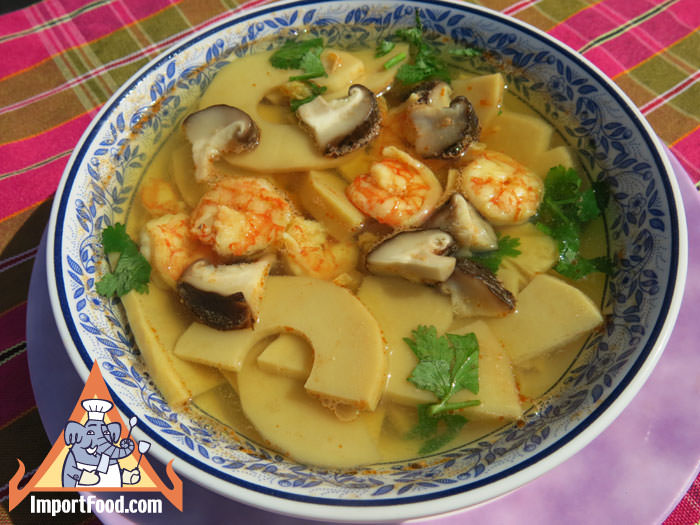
x=471, y=285
x=342, y=125
x=418, y=256
x=440, y=126
x=218, y=130
x=225, y=297
x=461, y=219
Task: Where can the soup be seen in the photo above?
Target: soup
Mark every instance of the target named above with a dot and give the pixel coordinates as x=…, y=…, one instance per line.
x=351, y=268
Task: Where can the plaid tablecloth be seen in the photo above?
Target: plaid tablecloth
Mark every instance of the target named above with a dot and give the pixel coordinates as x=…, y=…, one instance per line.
x=60, y=60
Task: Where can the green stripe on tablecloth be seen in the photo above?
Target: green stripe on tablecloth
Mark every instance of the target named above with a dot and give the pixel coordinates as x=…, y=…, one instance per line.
x=624, y=27
x=55, y=21
x=688, y=49
x=165, y=24
x=658, y=74
x=559, y=11
x=114, y=46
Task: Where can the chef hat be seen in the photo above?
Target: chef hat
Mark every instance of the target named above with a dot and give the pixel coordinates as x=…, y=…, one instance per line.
x=96, y=408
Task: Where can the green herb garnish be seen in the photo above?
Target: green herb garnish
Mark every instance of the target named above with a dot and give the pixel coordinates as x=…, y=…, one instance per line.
x=299, y=54
x=427, y=429
x=469, y=52
x=384, y=47
x=564, y=211
x=304, y=55
x=394, y=60
x=507, y=247
x=316, y=90
x=427, y=64
x=446, y=365
x=132, y=271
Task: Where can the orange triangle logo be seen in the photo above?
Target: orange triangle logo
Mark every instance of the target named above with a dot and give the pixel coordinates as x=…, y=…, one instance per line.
x=96, y=453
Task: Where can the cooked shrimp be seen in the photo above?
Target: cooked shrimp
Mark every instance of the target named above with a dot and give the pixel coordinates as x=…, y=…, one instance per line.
x=504, y=191
x=170, y=247
x=161, y=198
x=310, y=250
x=398, y=191
x=241, y=216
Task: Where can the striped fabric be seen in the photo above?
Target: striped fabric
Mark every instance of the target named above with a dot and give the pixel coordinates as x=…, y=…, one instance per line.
x=62, y=59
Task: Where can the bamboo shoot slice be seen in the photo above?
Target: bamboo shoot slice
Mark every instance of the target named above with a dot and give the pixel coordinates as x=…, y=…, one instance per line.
x=399, y=307
x=288, y=355
x=485, y=93
x=350, y=362
x=157, y=320
x=218, y=348
x=522, y=137
x=550, y=314
x=498, y=392
x=298, y=425
x=323, y=195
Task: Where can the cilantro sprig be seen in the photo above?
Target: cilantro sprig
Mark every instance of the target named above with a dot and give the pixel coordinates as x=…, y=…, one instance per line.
x=507, y=247
x=314, y=89
x=565, y=210
x=426, y=61
x=446, y=365
x=304, y=55
x=384, y=47
x=132, y=271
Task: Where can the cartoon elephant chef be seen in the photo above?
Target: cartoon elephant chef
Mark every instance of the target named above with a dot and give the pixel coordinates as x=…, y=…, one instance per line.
x=93, y=458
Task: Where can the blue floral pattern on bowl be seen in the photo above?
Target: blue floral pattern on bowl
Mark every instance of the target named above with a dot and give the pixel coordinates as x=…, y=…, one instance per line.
x=611, y=143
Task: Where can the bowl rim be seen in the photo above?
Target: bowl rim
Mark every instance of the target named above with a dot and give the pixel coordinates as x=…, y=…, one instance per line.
x=415, y=506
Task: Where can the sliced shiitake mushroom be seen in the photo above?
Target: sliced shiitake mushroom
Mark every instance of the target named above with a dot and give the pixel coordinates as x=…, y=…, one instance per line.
x=459, y=218
x=418, y=256
x=342, y=125
x=476, y=290
x=440, y=126
x=218, y=130
x=225, y=297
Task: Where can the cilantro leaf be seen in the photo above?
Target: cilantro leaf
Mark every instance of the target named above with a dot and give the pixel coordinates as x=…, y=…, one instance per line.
x=446, y=365
x=384, y=47
x=132, y=271
x=428, y=426
x=312, y=65
x=292, y=52
x=427, y=63
x=507, y=247
x=304, y=55
x=564, y=212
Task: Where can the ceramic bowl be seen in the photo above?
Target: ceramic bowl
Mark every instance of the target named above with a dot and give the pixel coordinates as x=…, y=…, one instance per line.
x=588, y=111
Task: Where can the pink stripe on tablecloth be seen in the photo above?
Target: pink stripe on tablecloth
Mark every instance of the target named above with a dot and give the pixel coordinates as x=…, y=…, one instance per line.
x=13, y=22
x=27, y=51
x=687, y=151
x=15, y=156
x=598, y=19
x=17, y=394
x=638, y=43
x=519, y=6
x=12, y=331
x=32, y=187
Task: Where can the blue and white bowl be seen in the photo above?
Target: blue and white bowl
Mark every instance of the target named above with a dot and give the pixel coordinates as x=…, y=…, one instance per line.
x=644, y=293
